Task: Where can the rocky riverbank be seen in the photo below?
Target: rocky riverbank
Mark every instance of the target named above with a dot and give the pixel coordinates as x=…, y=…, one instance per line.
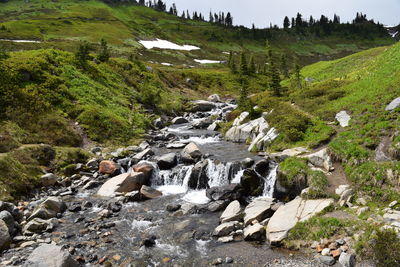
x=184, y=197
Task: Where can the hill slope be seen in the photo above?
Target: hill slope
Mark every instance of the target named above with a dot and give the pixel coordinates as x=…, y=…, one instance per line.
x=62, y=23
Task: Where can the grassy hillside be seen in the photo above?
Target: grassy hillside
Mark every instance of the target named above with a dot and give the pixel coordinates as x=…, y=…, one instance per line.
x=363, y=84
x=61, y=23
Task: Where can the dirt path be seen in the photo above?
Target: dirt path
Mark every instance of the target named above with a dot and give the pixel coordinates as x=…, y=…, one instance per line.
x=336, y=178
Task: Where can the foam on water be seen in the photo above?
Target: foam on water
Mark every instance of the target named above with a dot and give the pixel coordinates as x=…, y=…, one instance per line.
x=202, y=140
x=140, y=225
x=269, y=183
x=196, y=197
x=237, y=178
x=172, y=189
x=201, y=246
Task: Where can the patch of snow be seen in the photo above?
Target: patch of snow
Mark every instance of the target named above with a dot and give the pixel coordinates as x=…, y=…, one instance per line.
x=394, y=34
x=207, y=61
x=226, y=53
x=20, y=41
x=166, y=64
x=164, y=44
x=343, y=118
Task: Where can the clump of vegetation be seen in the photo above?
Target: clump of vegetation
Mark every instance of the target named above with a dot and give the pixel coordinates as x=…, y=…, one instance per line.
x=386, y=248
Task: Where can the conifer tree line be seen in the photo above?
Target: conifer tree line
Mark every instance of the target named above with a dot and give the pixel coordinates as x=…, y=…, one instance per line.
x=219, y=18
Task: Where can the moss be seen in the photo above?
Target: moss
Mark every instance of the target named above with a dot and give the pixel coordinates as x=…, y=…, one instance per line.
x=11, y=136
x=68, y=156
x=34, y=154
x=16, y=178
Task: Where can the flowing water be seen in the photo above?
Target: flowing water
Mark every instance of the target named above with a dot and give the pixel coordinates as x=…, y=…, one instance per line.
x=183, y=238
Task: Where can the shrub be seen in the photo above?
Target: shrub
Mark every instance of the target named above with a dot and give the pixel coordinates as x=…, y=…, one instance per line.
x=386, y=248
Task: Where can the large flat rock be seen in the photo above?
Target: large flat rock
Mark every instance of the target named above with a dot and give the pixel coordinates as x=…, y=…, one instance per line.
x=126, y=182
x=286, y=217
x=259, y=209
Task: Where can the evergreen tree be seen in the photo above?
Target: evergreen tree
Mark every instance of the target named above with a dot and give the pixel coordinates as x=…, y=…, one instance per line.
x=229, y=19
x=183, y=15
x=311, y=21
x=141, y=2
x=3, y=54
x=299, y=20
x=211, y=18
x=104, y=54
x=243, y=64
x=293, y=23
x=187, y=14
x=252, y=66
x=286, y=23
x=275, y=83
x=284, y=66
x=83, y=54
x=174, y=10
x=296, y=80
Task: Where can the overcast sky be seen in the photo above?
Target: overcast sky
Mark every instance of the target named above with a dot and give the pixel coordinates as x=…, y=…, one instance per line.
x=264, y=12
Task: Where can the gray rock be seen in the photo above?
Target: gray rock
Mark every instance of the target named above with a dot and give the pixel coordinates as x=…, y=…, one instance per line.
x=167, y=161
x=254, y=232
x=218, y=205
x=198, y=178
x=343, y=118
x=347, y=260
x=158, y=123
x=214, y=126
x=123, y=183
x=49, y=179
x=327, y=260
x=173, y=207
x=50, y=255
x=232, y=213
x=133, y=196
x=149, y=192
x=49, y=209
x=38, y=225
x=226, y=192
x=201, y=105
x=226, y=228
x=259, y=209
x=214, y=98
x=5, y=238
x=96, y=149
x=321, y=159
x=9, y=220
x=393, y=105
x=191, y=153
x=247, y=162
x=286, y=217
x=143, y=155
x=179, y=120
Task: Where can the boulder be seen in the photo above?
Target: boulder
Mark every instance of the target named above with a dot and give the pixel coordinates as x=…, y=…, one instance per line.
x=149, y=192
x=202, y=124
x=191, y=153
x=343, y=118
x=262, y=167
x=49, y=209
x=179, y=120
x=123, y=183
x=247, y=162
x=201, y=105
x=341, y=188
x=9, y=220
x=5, y=238
x=167, y=161
x=286, y=217
x=247, y=131
x=393, y=105
x=50, y=255
x=49, y=179
x=347, y=260
x=327, y=260
x=239, y=120
x=226, y=228
x=254, y=232
x=108, y=167
x=259, y=209
x=38, y=225
x=226, y=192
x=214, y=98
x=264, y=137
x=252, y=183
x=146, y=168
x=214, y=126
x=143, y=155
x=158, y=123
x=321, y=159
x=287, y=153
x=198, y=178
x=232, y=213
x=218, y=205
x=133, y=196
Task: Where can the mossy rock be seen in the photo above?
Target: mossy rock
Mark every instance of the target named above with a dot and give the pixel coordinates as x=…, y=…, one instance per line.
x=252, y=183
x=68, y=156
x=35, y=154
x=16, y=179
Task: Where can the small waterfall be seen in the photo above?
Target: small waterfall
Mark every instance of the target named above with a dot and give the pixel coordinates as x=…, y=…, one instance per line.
x=236, y=179
x=269, y=182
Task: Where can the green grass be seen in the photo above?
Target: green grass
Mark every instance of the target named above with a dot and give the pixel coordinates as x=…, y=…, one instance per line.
x=62, y=23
